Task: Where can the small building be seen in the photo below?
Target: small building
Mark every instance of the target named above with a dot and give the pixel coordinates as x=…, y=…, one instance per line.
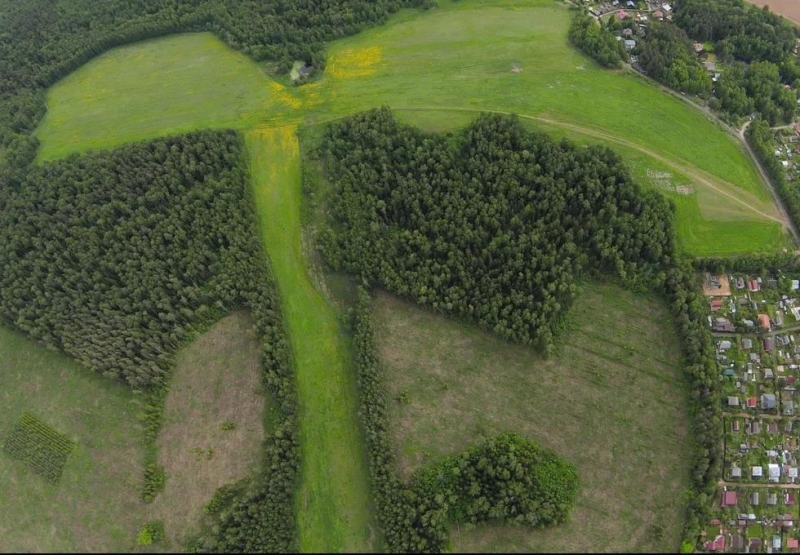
x=716, y=305
x=733, y=401
x=729, y=499
x=756, y=472
x=724, y=345
x=768, y=374
x=659, y=15
x=753, y=286
x=768, y=401
x=667, y=8
x=752, y=402
x=736, y=472
x=747, y=343
x=772, y=428
x=789, y=499
x=698, y=47
x=772, y=499
x=737, y=542
x=622, y=14
x=629, y=45
x=792, y=474
x=788, y=407
x=769, y=343
x=763, y=321
x=735, y=426
x=774, y=471
x=717, y=545
x=776, y=542
x=792, y=543
x=754, y=545
x=711, y=67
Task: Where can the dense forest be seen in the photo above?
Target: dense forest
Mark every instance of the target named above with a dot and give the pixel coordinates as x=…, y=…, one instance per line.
x=487, y=229
x=666, y=55
x=118, y=258
x=503, y=480
x=494, y=230
x=42, y=41
x=115, y=257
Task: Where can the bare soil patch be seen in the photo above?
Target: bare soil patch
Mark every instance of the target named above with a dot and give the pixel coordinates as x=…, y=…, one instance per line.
x=216, y=384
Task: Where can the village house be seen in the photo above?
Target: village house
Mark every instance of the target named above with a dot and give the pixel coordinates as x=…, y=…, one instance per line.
x=768, y=401
x=763, y=320
x=729, y=499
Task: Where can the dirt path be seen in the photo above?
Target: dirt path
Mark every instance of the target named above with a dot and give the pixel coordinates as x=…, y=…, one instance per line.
x=701, y=177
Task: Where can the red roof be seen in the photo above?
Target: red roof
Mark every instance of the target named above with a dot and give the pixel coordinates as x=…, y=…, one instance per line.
x=716, y=305
x=752, y=402
x=717, y=545
x=763, y=319
x=790, y=499
x=729, y=499
x=752, y=285
x=735, y=426
x=659, y=14
x=792, y=543
x=622, y=14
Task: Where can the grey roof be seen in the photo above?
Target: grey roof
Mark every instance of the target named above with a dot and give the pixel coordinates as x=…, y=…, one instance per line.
x=768, y=401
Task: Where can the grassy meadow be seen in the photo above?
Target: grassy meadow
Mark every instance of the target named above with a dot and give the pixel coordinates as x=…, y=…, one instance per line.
x=611, y=402
x=447, y=63
x=97, y=504
x=333, y=503
x=155, y=88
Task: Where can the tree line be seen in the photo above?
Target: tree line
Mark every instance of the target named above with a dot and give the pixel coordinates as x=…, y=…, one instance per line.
x=428, y=221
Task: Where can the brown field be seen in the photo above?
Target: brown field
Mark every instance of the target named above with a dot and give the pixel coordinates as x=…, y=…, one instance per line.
x=611, y=402
x=790, y=9
x=216, y=380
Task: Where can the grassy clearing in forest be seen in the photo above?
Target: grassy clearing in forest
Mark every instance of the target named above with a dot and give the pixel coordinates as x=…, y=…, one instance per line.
x=334, y=510
x=213, y=423
x=611, y=402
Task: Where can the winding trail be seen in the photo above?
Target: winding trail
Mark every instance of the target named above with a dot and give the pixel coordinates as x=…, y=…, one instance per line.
x=333, y=500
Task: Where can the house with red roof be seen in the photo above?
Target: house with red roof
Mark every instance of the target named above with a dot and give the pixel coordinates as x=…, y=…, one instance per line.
x=752, y=402
x=729, y=499
x=752, y=286
x=763, y=320
x=792, y=543
x=622, y=14
x=717, y=545
x=716, y=305
x=659, y=15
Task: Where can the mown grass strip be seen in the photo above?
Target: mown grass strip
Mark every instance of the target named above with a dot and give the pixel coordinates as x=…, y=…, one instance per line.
x=333, y=503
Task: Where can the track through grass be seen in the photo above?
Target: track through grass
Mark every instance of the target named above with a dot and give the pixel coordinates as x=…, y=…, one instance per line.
x=333, y=503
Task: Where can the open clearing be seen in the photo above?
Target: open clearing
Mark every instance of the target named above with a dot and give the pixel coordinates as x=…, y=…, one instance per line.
x=456, y=57
x=216, y=383
x=611, y=403
x=333, y=503
x=96, y=505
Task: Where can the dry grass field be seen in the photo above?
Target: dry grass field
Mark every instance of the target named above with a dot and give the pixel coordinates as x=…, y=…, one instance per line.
x=217, y=380
x=611, y=402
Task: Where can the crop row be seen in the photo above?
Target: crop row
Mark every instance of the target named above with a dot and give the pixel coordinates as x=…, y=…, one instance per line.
x=39, y=446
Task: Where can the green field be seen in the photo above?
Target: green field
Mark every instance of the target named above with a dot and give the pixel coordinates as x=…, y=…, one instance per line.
x=97, y=504
x=333, y=504
x=611, y=402
x=155, y=88
x=446, y=63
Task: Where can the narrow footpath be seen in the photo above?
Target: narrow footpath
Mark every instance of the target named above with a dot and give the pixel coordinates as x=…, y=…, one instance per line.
x=333, y=500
